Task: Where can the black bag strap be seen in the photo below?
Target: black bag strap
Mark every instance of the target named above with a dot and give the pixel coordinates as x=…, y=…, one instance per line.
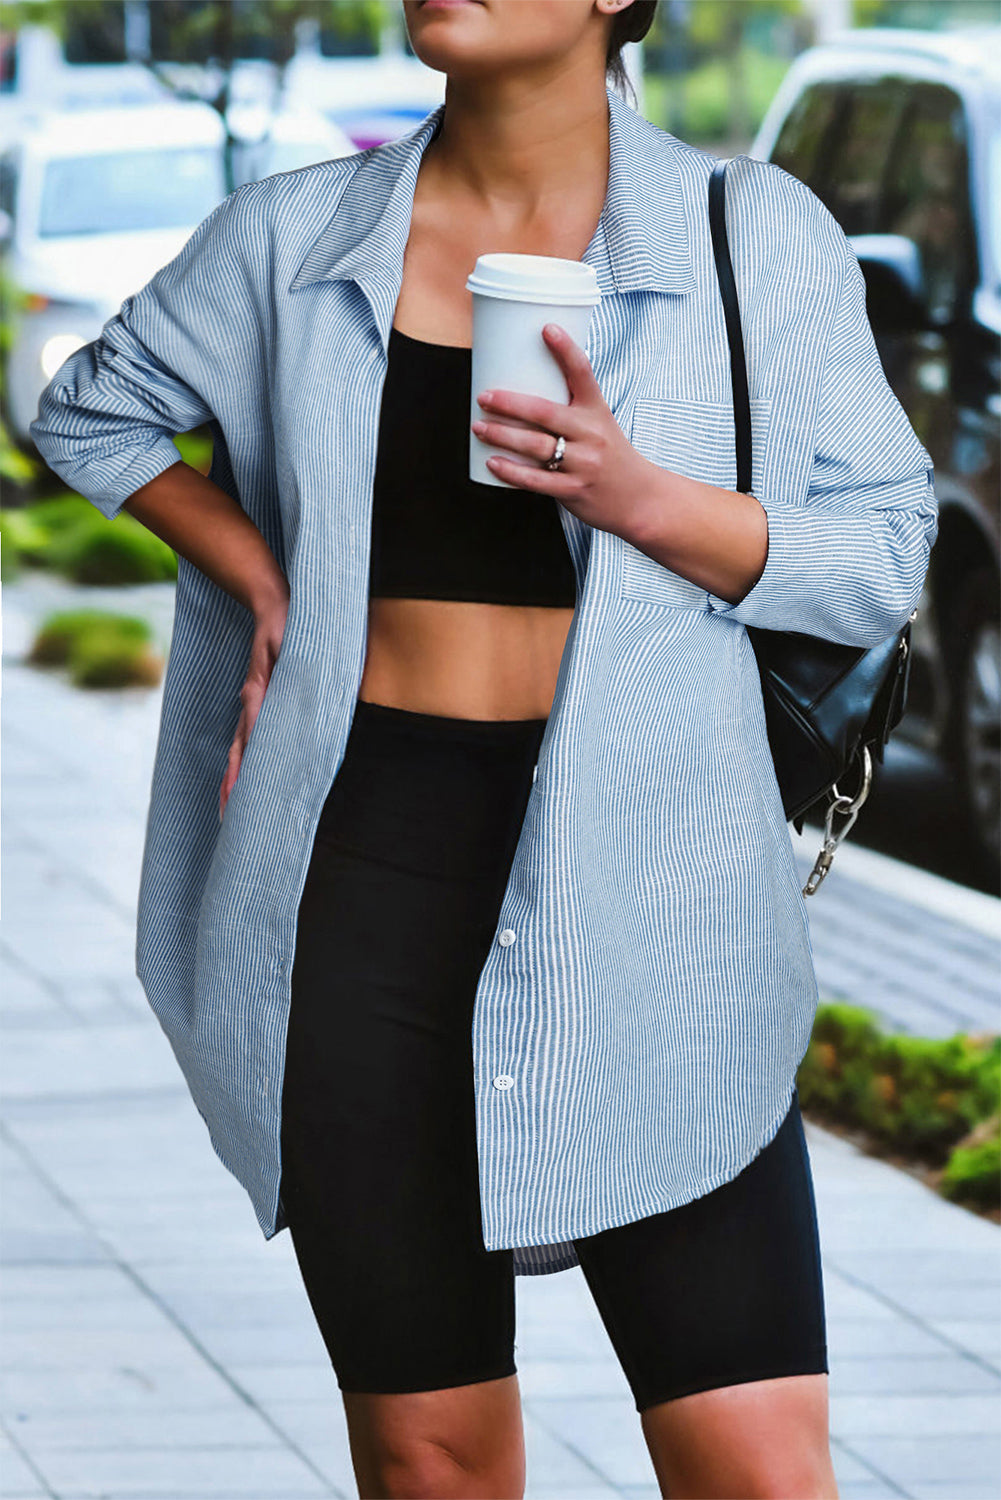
x=731, y=311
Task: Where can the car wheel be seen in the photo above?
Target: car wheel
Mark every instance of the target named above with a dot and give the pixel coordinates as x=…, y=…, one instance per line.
x=975, y=738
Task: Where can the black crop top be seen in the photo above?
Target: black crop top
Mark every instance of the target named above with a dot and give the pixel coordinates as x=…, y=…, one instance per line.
x=436, y=533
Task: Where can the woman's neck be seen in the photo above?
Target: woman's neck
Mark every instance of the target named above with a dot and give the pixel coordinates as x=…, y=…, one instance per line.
x=516, y=150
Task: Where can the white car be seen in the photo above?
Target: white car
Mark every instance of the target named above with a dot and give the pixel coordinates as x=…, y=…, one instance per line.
x=92, y=203
x=283, y=142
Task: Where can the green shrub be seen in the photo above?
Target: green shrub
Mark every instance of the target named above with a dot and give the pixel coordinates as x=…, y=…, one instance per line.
x=934, y=1099
x=59, y=512
x=28, y=530
x=103, y=660
x=917, y=1094
x=67, y=533
x=23, y=530
x=835, y=1072
x=21, y=539
x=927, y=1093
x=16, y=467
x=973, y=1171
x=195, y=448
x=60, y=632
x=97, y=551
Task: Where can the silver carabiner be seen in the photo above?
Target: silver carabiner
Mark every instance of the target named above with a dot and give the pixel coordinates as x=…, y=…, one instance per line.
x=844, y=807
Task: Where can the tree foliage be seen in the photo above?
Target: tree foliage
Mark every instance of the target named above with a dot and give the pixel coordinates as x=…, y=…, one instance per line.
x=213, y=35
x=196, y=30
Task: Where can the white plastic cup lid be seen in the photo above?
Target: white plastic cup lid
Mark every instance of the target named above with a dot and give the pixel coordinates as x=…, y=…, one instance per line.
x=535, y=278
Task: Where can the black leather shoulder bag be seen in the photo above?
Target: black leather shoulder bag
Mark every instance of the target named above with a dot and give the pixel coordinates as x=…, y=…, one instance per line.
x=829, y=707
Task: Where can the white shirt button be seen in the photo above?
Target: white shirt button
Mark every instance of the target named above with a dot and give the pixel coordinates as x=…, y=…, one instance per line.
x=507, y=937
x=503, y=1081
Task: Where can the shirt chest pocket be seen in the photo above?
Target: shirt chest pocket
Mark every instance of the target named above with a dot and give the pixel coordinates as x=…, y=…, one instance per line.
x=694, y=438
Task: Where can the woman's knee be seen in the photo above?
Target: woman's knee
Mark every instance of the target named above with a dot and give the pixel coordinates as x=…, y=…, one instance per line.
x=455, y=1444
x=429, y=1470
x=762, y=1440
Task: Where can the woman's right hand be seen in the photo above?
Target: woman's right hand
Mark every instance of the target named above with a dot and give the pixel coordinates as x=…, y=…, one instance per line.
x=269, y=630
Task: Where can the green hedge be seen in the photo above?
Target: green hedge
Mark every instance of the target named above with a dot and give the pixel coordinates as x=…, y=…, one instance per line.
x=973, y=1171
x=99, y=648
x=71, y=536
x=936, y=1100
x=22, y=540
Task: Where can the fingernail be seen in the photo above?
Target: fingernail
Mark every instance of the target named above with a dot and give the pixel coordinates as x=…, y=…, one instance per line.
x=554, y=330
x=485, y=396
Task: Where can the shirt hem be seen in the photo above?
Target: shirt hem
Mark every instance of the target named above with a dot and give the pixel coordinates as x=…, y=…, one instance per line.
x=559, y=1240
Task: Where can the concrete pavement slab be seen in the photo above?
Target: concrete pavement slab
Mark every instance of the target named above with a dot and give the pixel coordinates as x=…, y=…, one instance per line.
x=868, y=1489
x=915, y=1460
x=604, y=1433
x=169, y=1469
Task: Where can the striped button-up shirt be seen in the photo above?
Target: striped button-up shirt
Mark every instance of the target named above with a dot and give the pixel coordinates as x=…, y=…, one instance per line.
x=650, y=992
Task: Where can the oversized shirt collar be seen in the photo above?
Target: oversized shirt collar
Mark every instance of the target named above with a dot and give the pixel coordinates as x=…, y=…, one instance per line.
x=641, y=241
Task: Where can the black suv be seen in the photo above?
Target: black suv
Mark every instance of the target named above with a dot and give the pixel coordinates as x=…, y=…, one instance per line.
x=898, y=132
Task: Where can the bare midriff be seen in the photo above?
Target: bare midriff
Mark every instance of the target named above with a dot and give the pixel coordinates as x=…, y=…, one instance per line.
x=464, y=659
x=457, y=657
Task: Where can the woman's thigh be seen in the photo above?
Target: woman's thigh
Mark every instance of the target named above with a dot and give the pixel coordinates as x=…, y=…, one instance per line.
x=723, y=1290
x=380, y=1175
x=379, y=1169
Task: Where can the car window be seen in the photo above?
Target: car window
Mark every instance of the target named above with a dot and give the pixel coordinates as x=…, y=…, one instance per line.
x=804, y=129
x=926, y=195
x=130, y=190
x=8, y=177
x=852, y=185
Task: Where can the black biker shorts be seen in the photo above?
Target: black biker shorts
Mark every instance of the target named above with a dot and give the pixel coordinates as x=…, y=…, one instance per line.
x=380, y=1178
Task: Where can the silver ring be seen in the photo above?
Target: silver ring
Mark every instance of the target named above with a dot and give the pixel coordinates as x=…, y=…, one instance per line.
x=557, y=458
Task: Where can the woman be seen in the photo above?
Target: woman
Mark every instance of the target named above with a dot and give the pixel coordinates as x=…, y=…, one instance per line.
x=497, y=777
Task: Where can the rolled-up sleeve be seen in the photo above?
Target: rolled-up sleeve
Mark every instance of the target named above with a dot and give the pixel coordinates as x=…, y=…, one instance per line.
x=848, y=564
x=107, y=419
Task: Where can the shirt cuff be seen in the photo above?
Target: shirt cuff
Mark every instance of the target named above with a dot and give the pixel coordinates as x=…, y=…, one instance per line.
x=109, y=494
x=769, y=598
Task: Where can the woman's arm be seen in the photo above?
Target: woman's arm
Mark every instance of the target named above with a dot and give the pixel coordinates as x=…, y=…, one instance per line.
x=107, y=420
x=848, y=561
x=164, y=364
x=716, y=538
x=207, y=526
x=211, y=529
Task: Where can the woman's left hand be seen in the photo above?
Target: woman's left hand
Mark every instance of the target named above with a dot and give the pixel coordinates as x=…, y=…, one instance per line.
x=602, y=478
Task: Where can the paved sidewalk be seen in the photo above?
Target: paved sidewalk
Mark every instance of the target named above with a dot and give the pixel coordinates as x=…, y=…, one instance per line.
x=155, y=1345
x=923, y=953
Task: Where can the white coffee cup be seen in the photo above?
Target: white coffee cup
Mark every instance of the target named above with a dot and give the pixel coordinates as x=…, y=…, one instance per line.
x=514, y=296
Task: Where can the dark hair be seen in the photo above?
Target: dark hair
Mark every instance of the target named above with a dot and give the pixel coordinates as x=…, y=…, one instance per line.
x=630, y=25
